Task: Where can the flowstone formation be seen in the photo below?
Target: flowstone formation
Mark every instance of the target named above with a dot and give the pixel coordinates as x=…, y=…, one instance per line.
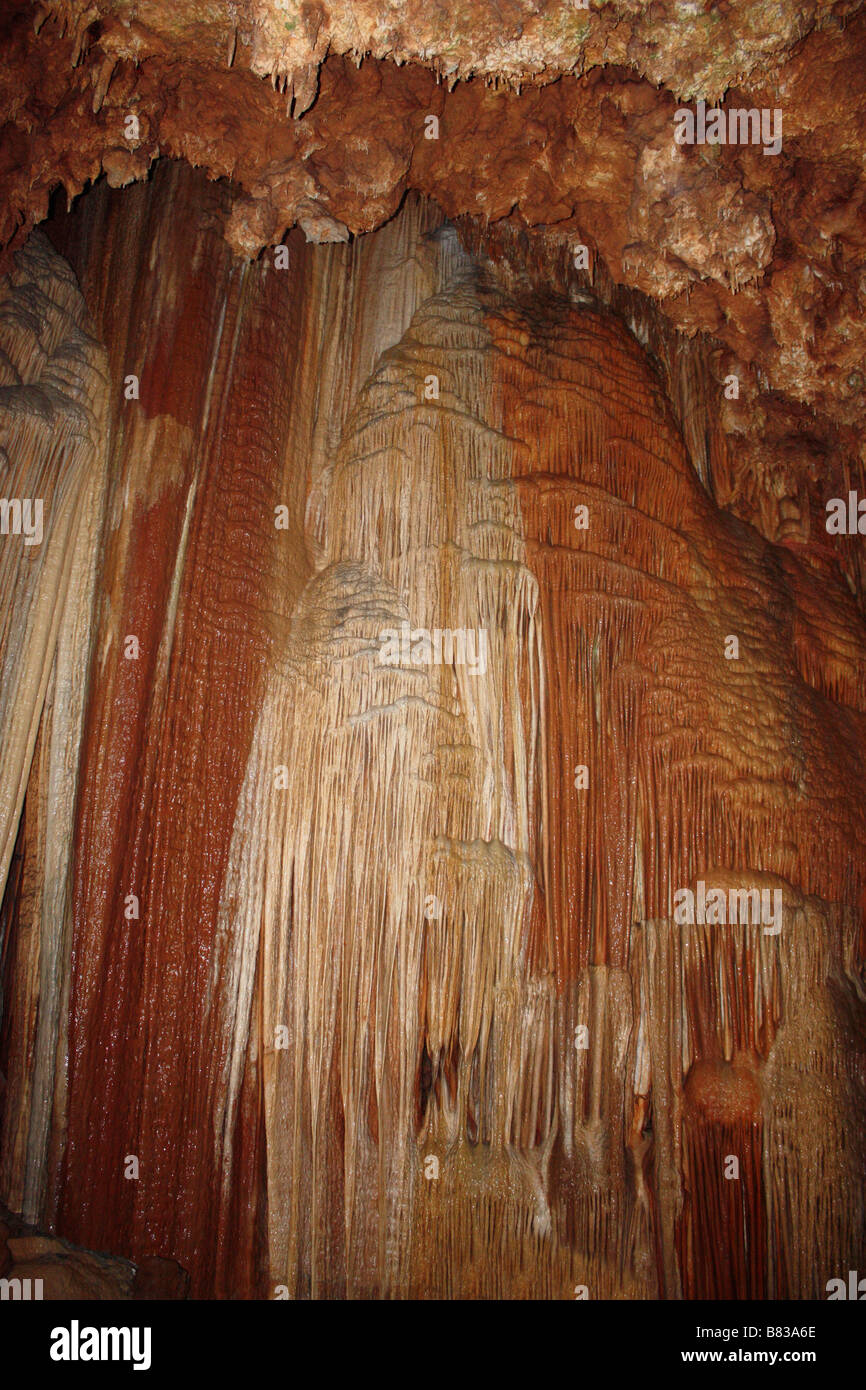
x=413, y=717
x=432, y=650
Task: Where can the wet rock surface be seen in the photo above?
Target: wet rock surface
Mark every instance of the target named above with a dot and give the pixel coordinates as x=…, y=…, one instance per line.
x=58, y=1271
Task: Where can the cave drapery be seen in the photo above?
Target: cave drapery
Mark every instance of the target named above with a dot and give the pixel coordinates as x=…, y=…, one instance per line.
x=373, y=966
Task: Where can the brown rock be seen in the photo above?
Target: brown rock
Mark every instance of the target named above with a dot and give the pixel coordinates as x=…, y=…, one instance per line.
x=78, y=1274
x=36, y=1247
x=156, y=1278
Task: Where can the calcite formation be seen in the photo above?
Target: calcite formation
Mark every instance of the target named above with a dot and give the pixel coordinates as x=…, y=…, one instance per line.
x=365, y=962
x=433, y=700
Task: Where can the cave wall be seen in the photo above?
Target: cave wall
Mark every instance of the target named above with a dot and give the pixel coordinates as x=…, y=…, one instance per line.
x=377, y=905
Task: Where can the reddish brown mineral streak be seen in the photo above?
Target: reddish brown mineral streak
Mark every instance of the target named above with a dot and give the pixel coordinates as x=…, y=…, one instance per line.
x=167, y=735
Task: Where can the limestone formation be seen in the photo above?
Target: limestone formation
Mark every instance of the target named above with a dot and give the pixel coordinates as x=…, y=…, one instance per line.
x=434, y=707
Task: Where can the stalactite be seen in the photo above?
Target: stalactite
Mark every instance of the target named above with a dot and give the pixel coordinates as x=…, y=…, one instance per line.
x=53, y=421
x=407, y=1009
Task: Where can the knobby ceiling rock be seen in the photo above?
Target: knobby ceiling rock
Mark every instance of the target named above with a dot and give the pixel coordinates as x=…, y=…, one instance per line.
x=558, y=117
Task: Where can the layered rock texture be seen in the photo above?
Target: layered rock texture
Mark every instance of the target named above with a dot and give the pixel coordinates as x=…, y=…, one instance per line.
x=416, y=630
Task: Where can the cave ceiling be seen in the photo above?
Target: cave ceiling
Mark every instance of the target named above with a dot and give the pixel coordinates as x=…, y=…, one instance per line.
x=553, y=116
